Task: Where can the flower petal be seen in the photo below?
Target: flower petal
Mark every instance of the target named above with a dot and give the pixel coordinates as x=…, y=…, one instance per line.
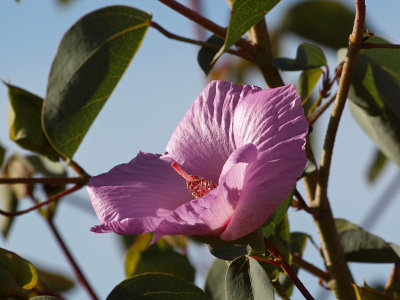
x=210, y=214
x=274, y=121
x=203, y=140
x=133, y=198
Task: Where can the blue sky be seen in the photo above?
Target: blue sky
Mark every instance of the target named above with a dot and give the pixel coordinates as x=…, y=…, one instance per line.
x=141, y=114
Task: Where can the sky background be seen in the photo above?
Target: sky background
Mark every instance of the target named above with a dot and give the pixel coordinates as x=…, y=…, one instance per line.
x=151, y=98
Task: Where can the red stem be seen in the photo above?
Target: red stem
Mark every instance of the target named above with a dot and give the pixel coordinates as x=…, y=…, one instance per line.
x=44, y=180
x=50, y=200
x=289, y=271
x=71, y=260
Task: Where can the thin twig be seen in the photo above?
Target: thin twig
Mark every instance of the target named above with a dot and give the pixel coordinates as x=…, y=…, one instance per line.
x=171, y=35
x=300, y=262
x=43, y=180
x=286, y=267
x=204, y=22
x=50, y=200
x=379, y=46
x=71, y=260
x=79, y=170
x=319, y=112
x=303, y=205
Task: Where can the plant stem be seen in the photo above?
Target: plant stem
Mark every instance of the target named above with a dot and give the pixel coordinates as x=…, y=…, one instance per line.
x=48, y=201
x=286, y=267
x=297, y=260
x=81, y=278
x=43, y=180
x=79, y=170
x=341, y=279
x=173, y=36
x=204, y=22
x=321, y=111
x=259, y=37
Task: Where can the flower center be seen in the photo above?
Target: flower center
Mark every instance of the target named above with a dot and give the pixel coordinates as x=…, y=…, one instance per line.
x=197, y=185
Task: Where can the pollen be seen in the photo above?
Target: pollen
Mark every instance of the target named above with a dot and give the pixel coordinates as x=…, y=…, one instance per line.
x=197, y=185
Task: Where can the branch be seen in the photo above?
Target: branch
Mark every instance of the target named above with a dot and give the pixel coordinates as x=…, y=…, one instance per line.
x=204, y=22
x=173, y=36
x=321, y=111
x=50, y=200
x=71, y=260
x=286, y=267
x=297, y=260
x=341, y=279
x=44, y=180
x=380, y=46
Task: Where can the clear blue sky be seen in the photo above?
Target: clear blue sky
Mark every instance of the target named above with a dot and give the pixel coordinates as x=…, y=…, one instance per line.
x=141, y=114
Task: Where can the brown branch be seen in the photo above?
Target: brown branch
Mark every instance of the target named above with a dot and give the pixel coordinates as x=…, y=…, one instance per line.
x=204, y=22
x=44, y=180
x=379, y=46
x=303, y=205
x=78, y=273
x=50, y=200
x=173, y=36
x=297, y=260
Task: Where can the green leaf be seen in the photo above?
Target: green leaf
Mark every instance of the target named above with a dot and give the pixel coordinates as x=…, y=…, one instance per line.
x=9, y=204
x=229, y=252
x=376, y=167
x=54, y=281
x=374, y=91
x=215, y=280
x=244, y=14
x=156, y=286
x=24, y=118
x=90, y=61
x=246, y=279
x=160, y=257
x=361, y=246
x=307, y=81
x=17, y=275
x=274, y=220
x=206, y=55
x=308, y=56
x=368, y=293
x=325, y=22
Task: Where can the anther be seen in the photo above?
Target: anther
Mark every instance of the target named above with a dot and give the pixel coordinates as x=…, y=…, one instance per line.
x=197, y=185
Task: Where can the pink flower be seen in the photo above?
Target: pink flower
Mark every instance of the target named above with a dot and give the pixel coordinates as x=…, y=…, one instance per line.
x=245, y=144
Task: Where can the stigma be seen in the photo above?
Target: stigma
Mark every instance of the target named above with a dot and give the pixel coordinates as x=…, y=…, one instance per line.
x=197, y=185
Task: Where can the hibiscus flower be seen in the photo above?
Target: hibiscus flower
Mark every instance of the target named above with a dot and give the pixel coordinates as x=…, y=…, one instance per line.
x=231, y=161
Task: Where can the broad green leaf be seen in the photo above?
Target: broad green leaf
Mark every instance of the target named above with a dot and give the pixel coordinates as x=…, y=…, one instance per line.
x=376, y=166
x=160, y=257
x=244, y=15
x=246, y=279
x=361, y=246
x=368, y=293
x=308, y=56
x=307, y=81
x=17, y=275
x=374, y=91
x=24, y=118
x=156, y=286
x=9, y=204
x=274, y=220
x=215, y=280
x=2, y=154
x=229, y=252
x=206, y=55
x=90, y=61
x=325, y=22
x=54, y=281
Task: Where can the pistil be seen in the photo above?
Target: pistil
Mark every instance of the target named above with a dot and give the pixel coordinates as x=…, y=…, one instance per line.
x=197, y=185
